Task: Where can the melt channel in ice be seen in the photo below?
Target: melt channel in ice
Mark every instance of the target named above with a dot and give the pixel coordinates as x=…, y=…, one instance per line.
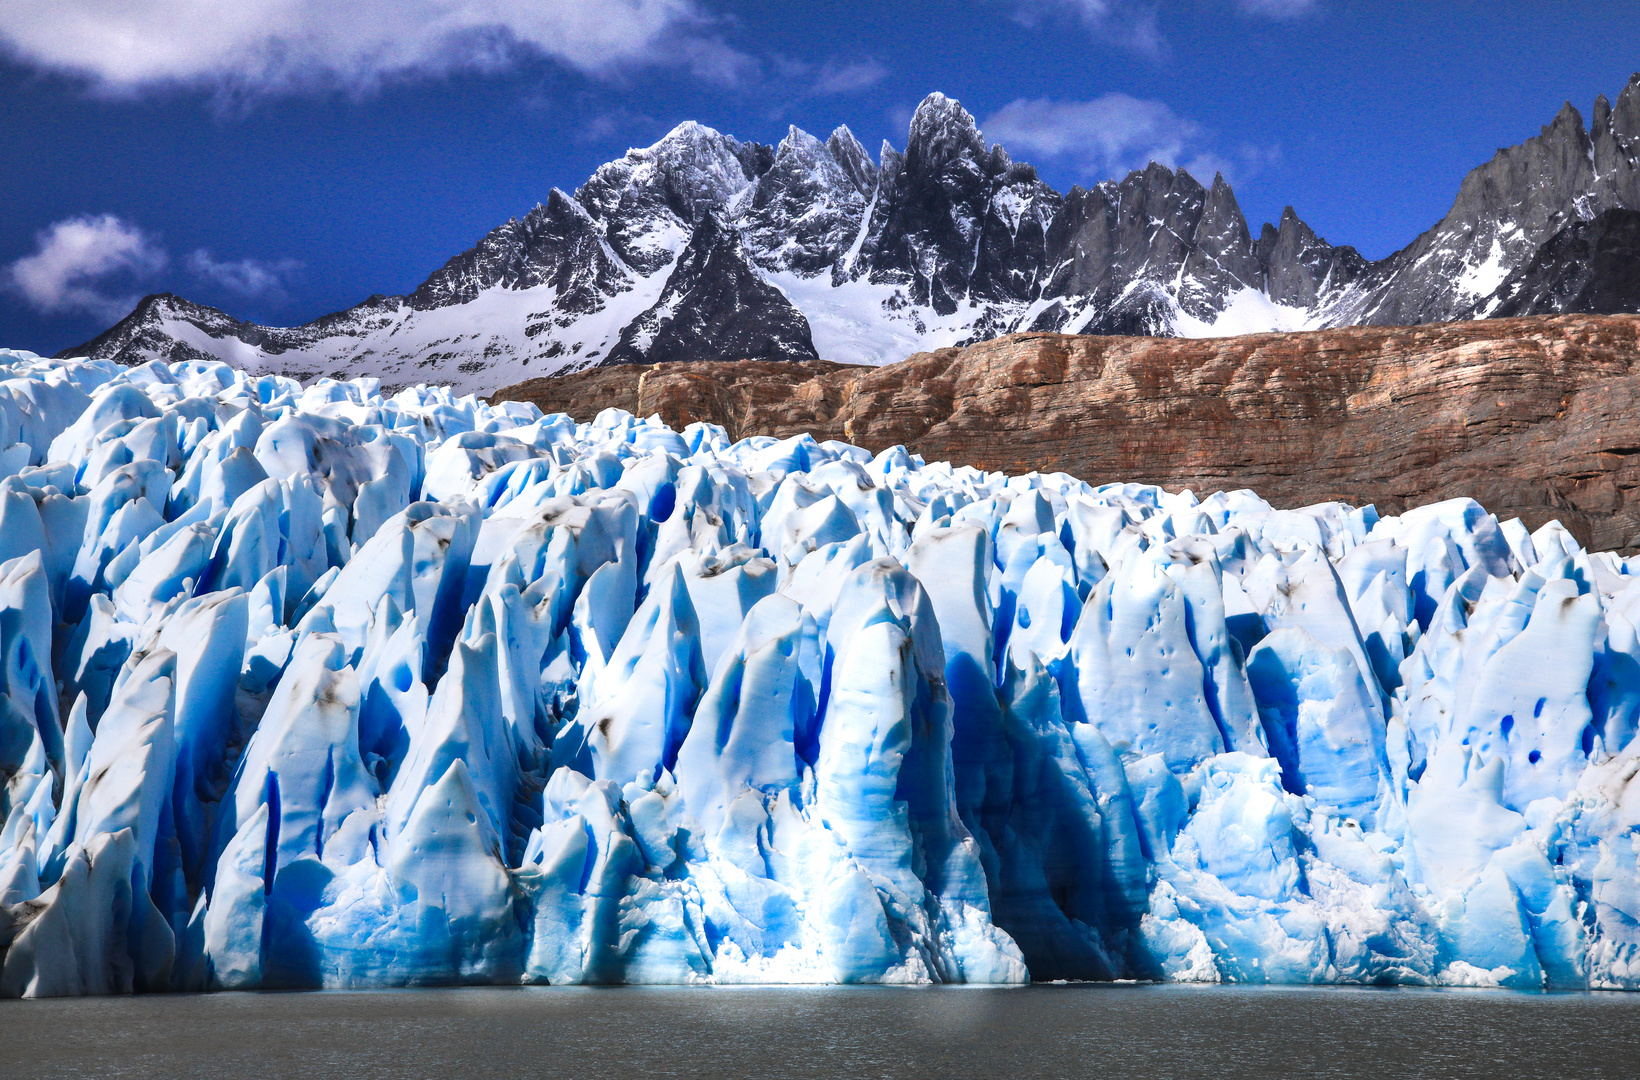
x=308, y=687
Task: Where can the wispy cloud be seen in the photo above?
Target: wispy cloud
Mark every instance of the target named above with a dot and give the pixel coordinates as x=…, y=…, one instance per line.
x=1137, y=24
x=1109, y=135
x=851, y=78
x=100, y=264
x=244, y=278
x=899, y=117
x=1277, y=9
x=1132, y=24
x=86, y=264
x=791, y=77
x=618, y=124
x=253, y=47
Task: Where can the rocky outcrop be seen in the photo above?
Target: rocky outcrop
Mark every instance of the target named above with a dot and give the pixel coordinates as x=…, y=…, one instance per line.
x=1590, y=266
x=1537, y=417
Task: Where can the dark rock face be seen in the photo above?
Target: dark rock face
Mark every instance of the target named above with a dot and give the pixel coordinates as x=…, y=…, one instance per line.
x=557, y=244
x=805, y=211
x=715, y=307
x=822, y=251
x=647, y=199
x=1505, y=210
x=1299, y=267
x=1154, y=227
x=953, y=219
x=853, y=159
x=1590, y=266
x=1537, y=418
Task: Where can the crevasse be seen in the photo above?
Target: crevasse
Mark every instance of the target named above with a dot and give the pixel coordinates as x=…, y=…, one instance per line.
x=313, y=687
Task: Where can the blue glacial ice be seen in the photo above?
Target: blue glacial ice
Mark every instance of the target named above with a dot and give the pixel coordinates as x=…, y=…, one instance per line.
x=314, y=687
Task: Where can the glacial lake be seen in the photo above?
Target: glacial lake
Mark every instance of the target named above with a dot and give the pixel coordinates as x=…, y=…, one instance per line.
x=1152, y=1032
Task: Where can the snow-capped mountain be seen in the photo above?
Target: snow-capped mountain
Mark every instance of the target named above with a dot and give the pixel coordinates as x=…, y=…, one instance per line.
x=703, y=247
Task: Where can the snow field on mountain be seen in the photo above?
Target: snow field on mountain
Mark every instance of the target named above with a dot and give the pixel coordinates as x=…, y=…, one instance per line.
x=307, y=686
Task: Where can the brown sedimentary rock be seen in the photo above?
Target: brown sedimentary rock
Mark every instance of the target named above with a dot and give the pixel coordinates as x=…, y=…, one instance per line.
x=1536, y=417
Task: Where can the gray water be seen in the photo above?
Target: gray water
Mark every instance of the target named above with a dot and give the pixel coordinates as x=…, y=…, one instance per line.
x=640, y=1034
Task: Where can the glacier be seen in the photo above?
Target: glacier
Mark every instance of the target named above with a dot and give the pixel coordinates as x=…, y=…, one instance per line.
x=308, y=686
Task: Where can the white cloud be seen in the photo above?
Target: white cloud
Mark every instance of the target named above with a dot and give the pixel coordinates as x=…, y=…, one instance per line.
x=709, y=58
x=619, y=124
x=835, y=78
x=79, y=260
x=1135, y=24
x=101, y=264
x=1102, y=137
x=258, y=46
x=244, y=277
x=789, y=76
x=1129, y=23
x=1113, y=134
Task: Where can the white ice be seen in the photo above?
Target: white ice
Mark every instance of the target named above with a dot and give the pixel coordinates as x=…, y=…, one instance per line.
x=309, y=687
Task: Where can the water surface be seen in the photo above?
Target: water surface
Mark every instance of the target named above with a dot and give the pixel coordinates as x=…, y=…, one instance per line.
x=723, y=1033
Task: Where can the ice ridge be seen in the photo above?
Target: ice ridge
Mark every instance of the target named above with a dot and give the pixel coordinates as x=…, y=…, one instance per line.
x=314, y=687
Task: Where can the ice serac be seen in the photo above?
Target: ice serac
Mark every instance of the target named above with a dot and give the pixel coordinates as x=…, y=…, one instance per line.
x=314, y=687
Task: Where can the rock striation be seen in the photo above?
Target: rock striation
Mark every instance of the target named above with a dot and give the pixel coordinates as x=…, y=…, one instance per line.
x=1535, y=417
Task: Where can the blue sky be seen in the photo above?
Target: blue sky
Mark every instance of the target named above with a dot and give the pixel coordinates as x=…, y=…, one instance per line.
x=285, y=158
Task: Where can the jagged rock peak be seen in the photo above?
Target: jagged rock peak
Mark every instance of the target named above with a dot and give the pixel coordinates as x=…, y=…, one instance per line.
x=949, y=241
x=694, y=166
x=556, y=242
x=1157, y=177
x=853, y=159
x=1530, y=186
x=1300, y=267
x=1625, y=117
x=805, y=210
x=651, y=199
x=800, y=149
x=692, y=139
x=941, y=131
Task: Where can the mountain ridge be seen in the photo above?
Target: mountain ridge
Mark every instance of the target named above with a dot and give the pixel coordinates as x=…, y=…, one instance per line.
x=823, y=253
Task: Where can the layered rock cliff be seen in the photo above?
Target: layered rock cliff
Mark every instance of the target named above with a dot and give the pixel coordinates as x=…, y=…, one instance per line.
x=1535, y=417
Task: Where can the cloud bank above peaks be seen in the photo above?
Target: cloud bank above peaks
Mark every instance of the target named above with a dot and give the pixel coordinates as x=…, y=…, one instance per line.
x=274, y=46
x=244, y=278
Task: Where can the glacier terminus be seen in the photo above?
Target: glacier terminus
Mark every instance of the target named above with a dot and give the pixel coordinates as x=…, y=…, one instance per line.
x=310, y=686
